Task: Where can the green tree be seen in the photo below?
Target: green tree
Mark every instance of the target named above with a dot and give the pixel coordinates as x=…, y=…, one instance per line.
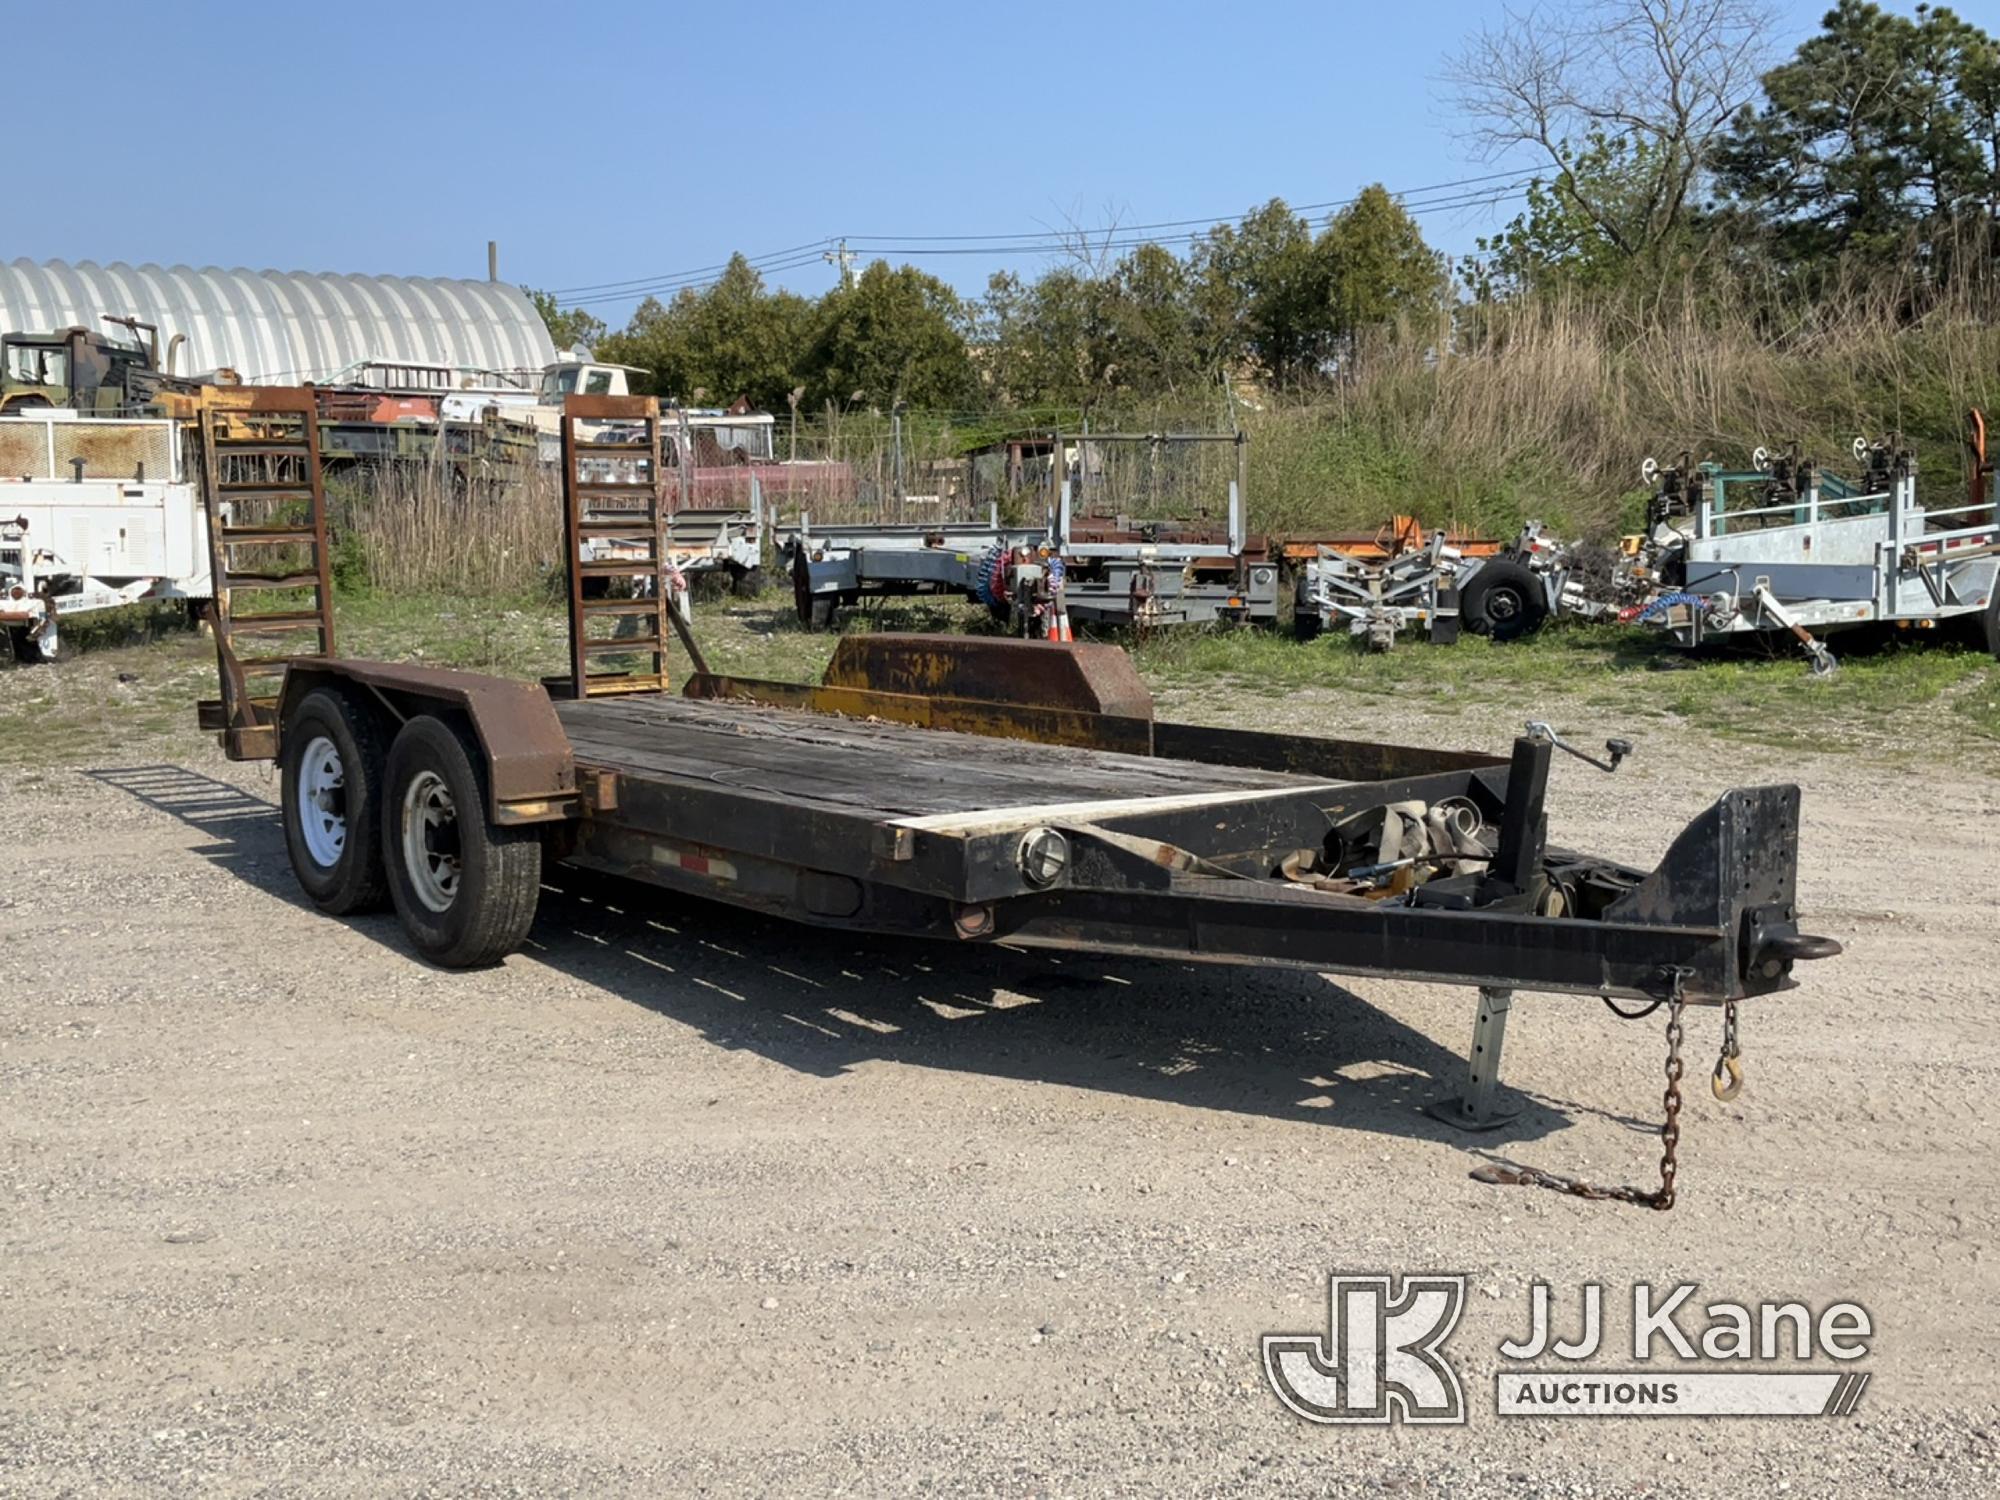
x=1263, y=296
x=1150, y=334
x=1378, y=268
x=1881, y=132
x=895, y=335
x=1072, y=339
x=569, y=328
x=730, y=339
x=1557, y=240
x=1037, y=339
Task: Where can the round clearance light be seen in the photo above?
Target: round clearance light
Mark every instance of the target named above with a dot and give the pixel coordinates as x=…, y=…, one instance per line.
x=1262, y=577
x=1044, y=856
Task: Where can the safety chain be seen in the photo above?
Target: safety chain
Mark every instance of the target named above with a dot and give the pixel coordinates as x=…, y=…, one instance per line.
x=1661, y=1197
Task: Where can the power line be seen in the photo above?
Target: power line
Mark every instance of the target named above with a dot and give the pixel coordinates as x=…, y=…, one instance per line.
x=695, y=281
x=666, y=276
x=1046, y=242
x=1060, y=245
x=1302, y=208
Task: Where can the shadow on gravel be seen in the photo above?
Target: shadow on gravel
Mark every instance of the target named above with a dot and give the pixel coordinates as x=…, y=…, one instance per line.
x=1278, y=1043
x=1284, y=1044
x=246, y=837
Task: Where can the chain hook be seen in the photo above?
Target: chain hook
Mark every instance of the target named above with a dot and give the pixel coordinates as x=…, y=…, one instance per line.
x=1726, y=1082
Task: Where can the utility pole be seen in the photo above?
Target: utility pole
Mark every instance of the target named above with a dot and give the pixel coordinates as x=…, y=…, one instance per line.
x=492, y=260
x=845, y=259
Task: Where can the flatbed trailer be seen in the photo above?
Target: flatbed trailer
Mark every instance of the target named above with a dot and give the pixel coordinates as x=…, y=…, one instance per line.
x=1148, y=570
x=992, y=791
x=835, y=566
x=1812, y=555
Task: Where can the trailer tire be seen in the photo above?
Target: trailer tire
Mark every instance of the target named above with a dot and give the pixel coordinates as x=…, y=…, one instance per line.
x=820, y=615
x=465, y=888
x=748, y=584
x=1308, y=627
x=1989, y=622
x=26, y=650
x=802, y=594
x=1503, y=600
x=330, y=779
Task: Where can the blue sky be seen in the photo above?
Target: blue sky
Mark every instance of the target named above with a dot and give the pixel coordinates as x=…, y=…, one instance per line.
x=606, y=143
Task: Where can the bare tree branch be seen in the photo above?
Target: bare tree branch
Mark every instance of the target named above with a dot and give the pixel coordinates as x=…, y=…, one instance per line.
x=1665, y=76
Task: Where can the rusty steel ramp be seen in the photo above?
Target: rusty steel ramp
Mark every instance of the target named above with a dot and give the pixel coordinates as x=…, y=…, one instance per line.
x=267, y=538
x=621, y=571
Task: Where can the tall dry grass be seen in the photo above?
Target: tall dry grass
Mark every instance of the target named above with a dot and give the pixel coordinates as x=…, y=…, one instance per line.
x=1547, y=405
x=412, y=528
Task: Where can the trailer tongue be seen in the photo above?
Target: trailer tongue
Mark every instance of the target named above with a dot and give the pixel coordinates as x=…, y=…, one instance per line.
x=982, y=790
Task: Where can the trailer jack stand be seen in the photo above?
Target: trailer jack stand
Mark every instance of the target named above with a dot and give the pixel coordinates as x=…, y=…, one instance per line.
x=1480, y=1107
x=1821, y=661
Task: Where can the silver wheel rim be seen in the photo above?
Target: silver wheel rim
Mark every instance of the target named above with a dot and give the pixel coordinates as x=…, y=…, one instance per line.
x=322, y=799
x=430, y=840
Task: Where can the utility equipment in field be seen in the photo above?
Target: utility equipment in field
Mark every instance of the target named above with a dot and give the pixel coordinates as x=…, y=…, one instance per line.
x=1151, y=532
x=1787, y=549
x=997, y=791
x=1402, y=578
x=81, y=370
x=834, y=566
x=95, y=512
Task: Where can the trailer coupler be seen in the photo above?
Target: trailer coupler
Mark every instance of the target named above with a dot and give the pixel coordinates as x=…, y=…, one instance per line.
x=1770, y=943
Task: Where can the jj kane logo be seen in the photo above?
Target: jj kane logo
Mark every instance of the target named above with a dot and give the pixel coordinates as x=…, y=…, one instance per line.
x=1382, y=1357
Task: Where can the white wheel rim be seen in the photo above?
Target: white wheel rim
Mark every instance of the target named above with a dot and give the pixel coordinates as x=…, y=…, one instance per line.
x=322, y=799
x=430, y=840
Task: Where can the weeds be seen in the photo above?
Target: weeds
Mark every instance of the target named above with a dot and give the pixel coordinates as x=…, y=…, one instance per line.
x=413, y=529
x=1545, y=407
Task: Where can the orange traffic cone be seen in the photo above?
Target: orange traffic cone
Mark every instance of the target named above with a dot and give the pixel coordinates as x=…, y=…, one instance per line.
x=1058, y=620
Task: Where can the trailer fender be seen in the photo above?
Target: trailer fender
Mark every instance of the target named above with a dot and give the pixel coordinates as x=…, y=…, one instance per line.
x=531, y=773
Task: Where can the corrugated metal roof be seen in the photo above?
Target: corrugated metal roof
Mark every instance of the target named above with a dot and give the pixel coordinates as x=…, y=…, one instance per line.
x=279, y=327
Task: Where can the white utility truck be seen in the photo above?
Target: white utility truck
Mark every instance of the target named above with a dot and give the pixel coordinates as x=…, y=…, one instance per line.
x=95, y=512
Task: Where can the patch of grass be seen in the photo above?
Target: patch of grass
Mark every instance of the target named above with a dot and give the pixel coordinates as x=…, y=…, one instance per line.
x=1886, y=698
x=134, y=686
x=128, y=698
x=508, y=636
x=1977, y=707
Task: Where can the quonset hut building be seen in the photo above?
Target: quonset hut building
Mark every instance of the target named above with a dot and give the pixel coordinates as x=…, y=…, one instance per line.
x=282, y=327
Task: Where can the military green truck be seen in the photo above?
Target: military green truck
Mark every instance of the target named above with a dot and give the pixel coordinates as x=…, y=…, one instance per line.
x=88, y=372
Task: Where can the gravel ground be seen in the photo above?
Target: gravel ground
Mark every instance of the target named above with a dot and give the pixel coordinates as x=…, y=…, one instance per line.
x=682, y=1200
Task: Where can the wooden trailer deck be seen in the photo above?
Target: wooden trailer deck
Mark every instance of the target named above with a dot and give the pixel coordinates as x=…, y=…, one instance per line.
x=887, y=770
